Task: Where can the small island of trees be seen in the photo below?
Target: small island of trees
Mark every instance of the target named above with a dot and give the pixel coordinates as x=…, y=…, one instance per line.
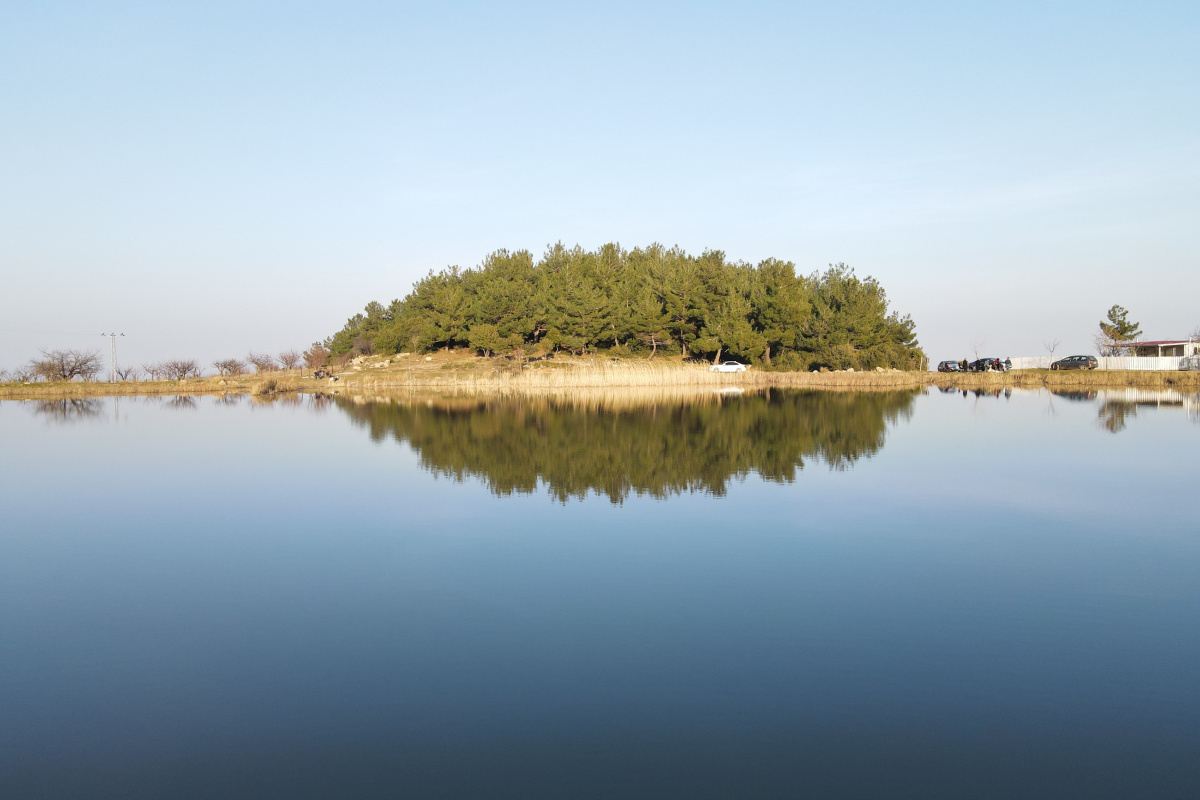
x=651, y=301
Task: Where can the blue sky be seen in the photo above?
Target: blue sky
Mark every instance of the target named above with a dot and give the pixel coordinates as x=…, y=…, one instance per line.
x=218, y=177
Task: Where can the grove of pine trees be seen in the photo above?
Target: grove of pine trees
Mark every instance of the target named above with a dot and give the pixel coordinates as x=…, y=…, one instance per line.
x=653, y=301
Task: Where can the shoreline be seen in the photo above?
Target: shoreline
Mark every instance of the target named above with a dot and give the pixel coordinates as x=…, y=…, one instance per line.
x=489, y=377
x=1075, y=379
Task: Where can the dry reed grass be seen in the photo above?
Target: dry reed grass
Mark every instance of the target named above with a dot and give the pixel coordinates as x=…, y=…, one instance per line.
x=51, y=391
x=214, y=385
x=583, y=377
x=271, y=386
x=1075, y=379
x=580, y=376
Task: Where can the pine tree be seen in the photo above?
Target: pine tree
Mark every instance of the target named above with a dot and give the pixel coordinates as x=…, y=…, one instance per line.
x=643, y=300
x=1118, y=331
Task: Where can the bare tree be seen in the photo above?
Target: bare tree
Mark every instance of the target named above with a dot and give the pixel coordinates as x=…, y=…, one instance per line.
x=154, y=371
x=1051, y=346
x=180, y=368
x=229, y=366
x=261, y=362
x=1105, y=346
x=289, y=359
x=128, y=373
x=316, y=356
x=67, y=365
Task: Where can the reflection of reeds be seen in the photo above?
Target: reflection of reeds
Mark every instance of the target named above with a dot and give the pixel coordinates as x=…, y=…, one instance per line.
x=588, y=398
x=278, y=398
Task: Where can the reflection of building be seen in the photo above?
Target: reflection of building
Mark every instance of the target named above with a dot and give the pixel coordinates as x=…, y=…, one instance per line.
x=1118, y=406
x=1147, y=397
x=1167, y=347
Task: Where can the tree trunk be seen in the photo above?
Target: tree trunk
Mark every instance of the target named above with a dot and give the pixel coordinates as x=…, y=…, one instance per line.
x=717, y=360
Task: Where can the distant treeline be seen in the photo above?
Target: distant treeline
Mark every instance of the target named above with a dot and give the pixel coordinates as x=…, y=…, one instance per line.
x=652, y=301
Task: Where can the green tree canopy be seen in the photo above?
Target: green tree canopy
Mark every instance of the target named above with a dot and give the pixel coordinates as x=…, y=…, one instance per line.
x=1117, y=331
x=653, y=300
x=1119, y=328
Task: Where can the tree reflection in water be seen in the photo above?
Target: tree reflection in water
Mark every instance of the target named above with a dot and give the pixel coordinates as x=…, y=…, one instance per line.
x=66, y=410
x=614, y=447
x=182, y=402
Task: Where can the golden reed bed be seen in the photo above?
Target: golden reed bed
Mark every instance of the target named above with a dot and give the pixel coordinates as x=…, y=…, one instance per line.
x=483, y=376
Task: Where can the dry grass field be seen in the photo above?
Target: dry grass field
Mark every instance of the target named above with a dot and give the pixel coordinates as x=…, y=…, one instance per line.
x=272, y=383
x=462, y=372
x=455, y=371
x=1081, y=379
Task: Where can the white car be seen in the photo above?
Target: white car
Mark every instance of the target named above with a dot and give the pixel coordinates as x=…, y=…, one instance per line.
x=728, y=366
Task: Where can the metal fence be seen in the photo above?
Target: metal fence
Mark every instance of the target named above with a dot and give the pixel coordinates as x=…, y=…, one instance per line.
x=1140, y=362
x=1107, y=362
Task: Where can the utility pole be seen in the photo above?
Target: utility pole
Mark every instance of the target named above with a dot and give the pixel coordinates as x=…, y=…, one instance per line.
x=112, y=364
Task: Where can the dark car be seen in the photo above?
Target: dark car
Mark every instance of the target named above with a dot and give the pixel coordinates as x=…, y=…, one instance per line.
x=950, y=366
x=1076, y=362
x=990, y=365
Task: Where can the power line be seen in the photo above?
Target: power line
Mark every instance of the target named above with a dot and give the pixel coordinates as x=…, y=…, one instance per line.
x=51, y=333
x=112, y=365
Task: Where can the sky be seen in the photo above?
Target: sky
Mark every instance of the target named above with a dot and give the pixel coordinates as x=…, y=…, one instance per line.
x=214, y=178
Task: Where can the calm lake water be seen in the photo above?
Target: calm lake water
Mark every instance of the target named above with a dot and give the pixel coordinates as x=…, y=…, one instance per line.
x=892, y=595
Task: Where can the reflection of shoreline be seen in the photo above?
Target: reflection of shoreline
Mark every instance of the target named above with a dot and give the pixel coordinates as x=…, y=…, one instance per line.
x=1119, y=406
x=495, y=378
x=1115, y=408
x=646, y=443
x=597, y=398
x=1152, y=397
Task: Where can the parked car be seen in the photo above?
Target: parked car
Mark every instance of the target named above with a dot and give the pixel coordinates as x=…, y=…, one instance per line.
x=1076, y=362
x=989, y=365
x=728, y=366
x=950, y=366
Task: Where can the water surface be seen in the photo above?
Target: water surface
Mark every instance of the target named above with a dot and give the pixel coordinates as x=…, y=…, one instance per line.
x=794, y=594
